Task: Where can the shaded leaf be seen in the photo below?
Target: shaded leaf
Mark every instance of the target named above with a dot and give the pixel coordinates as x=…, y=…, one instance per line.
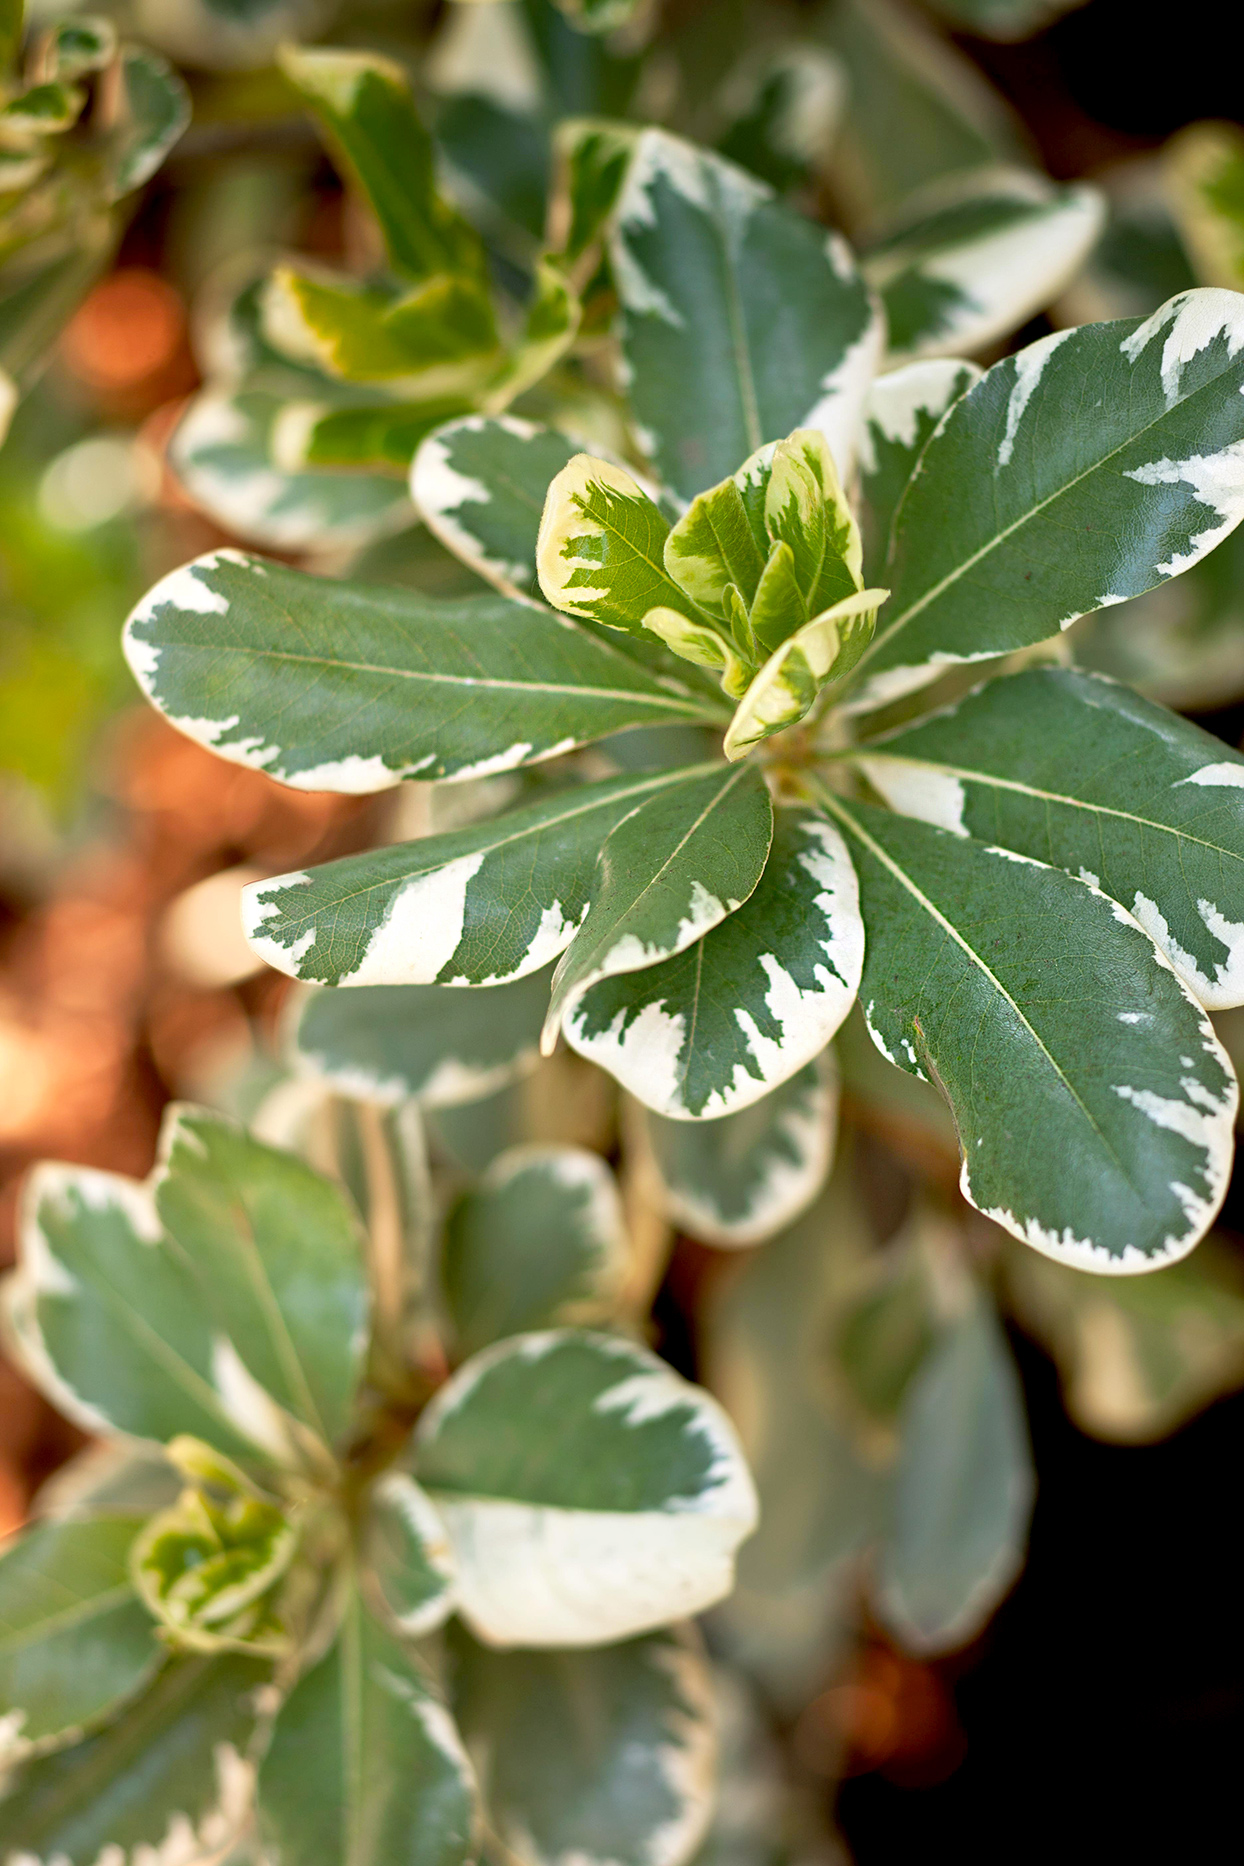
x=480, y=485
x=901, y=411
x=406, y=1554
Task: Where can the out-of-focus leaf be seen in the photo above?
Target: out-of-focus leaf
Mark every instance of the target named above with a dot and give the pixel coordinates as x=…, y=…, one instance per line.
x=154, y=112
x=406, y=1554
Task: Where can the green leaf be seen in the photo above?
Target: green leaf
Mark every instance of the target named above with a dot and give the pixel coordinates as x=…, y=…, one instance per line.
x=591, y=159
x=74, y=1642
x=407, y=1557
x=1043, y=1012
x=480, y=484
x=605, y=1755
x=963, y=1490
x=1085, y=775
x=600, y=551
x=208, y=1569
x=379, y=436
x=386, y=1042
x=169, y=1772
x=111, y=1477
x=788, y=685
x=901, y=411
x=589, y=1492
x=540, y=1240
x=738, y=1180
x=365, y=1764
x=12, y=27
x=1203, y=173
x=154, y=113
x=77, y=46
x=280, y=1251
x=741, y=321
x=554, y=315
x=789, y=112
x=335, y=686
x=43, y=109
x=439, y=339
x=1094, y=465
x=1004, y=20
x=364, y=106
x=599, y=15
x=477, y=906
x=741, y=1011
x=677, y=865
x=973, y=257
x=223, y=451
x=114, y=1328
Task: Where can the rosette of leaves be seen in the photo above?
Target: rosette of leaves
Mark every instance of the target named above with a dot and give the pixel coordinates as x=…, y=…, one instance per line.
x=325, y=382
x=84, y=122
x=1033, y=893
x=228, y=1618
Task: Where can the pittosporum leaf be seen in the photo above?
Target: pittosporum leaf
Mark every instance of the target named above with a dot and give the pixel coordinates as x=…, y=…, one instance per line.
x=480, y=485
x=540, y=1240
x=742, y=1010
x=589, y=1492
x=600, y=551
x=1076, y=771
x=739, y=1179
x=209, y=1569
x=1037, y=1005
x=247, y=657
x=407, y=1560
x=75, y=1644
x=365, y=1765
x=475, y=906
x=1093, y=465
x=901, y=411
x=605, y=1753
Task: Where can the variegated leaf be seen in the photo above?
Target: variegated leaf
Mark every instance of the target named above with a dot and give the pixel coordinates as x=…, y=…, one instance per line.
x=589, y=1492
x=1204, y=175
x=974, y=256
x=166, y=1778
x=1091, y=466
x=365, y=1764
x=334, y=686
x=740, y=320
x=113, y=1326
x=1078, y=772
x=386, y=1042
x=380, y=436
x=209, y=1568
x=364, y=105
x=738, y=1180
x=224, y=453
x=153, y=112
x=900, y=413
x=281, y=1253
x=480, y=485
x=600, y=550
x=963, y=1490
x=788, y=685
x=740, y=1012
x=475, y=906
x=680, y=863
x=1093, y=1101
x=75, y=1644
x=593, y=1756
x=540, y=1240
x=406, y=1555
x=438, y=339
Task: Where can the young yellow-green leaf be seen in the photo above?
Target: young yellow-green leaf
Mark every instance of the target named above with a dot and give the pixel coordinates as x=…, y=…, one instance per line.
x=365, y=1767
x=806, y=509
x=738, y=1180
x=786, y=687
x=741, y=320
x=963, y=1489
x=154, y=112
x=475, y=906
x=437, y=340
x=740, y=1012
x=44, y=109
x=363, y=104
x=76, y=46
x=1093, y=1102
x=167, y=1777
x=206, y=1569
x=605, y=1755
x=1093, y=465
x=702, y=646
x=223, y=452
x=1204, y=176
x=540, y=1240
x=591, y=158
x=113, y=1326
x=600, y=548
x=406, y=1556
x=678, y=864
x=480, y=485
x=336, y=686
x=1073, y=770
x=385, y=1043
x=280, y=1252
x=590, y=1493
x=901, y=411
x=74, y=1642
x=381, y=436
x=975, y=255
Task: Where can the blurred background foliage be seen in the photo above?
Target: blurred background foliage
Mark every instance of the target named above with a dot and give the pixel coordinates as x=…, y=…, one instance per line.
x=155, y=164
